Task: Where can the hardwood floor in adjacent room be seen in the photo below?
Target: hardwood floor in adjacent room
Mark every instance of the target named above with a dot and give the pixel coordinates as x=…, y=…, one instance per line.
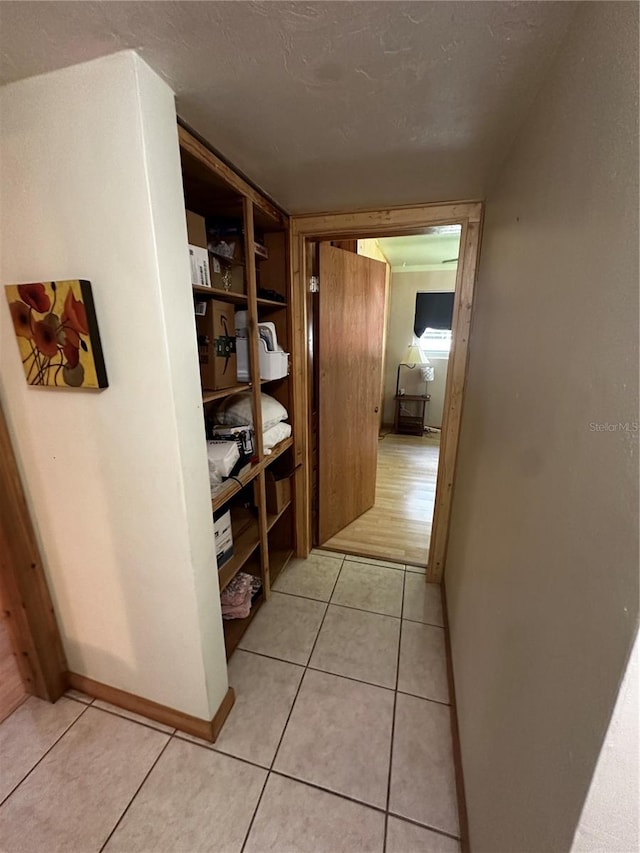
x=398, y=526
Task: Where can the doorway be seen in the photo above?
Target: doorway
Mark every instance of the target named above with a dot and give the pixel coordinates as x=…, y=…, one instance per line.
x=395, y=525
x=400, y=222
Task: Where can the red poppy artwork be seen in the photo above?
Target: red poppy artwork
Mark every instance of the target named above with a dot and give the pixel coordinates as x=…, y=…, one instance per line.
x=57, y=333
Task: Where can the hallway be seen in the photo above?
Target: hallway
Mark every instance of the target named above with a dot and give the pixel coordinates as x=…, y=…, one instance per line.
x=340, y=738
x=398, y=526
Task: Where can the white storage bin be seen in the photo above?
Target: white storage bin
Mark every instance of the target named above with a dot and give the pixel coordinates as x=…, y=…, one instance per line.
x=273, y=365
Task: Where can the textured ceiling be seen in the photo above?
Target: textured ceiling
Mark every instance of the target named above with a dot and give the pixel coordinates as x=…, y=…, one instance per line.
x=329, y=105
x=421, y=252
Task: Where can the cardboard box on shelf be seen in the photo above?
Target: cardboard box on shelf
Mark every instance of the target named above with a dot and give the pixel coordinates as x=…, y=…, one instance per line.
x=217, y=346
x=278, y=491
x=196, y=230
x=223, y=537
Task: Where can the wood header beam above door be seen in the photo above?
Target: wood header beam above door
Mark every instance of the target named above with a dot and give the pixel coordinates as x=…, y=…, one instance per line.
x=390, y=222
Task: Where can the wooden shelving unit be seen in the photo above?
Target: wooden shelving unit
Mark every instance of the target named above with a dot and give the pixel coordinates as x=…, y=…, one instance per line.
x=271, y=304
x=243, y=547
x=234, y=628
x=233, y=486
x=217, y=293
x=279, y=557
x=263, y=543
x=278, y=450
x=221, y=393
x=273, y=518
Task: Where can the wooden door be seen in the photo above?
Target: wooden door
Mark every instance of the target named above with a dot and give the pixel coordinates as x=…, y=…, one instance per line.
x=351, y=309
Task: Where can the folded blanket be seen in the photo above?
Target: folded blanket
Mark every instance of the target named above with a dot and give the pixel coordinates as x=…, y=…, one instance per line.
x=274, y=435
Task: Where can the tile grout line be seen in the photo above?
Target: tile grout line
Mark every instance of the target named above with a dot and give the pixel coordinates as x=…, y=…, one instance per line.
x=425, y=826
x=255, y=810
x=306, y=668
x=317, y=787
x=139, y=722
x=44, y=754
x=380, y=809
x=424, y=698
x=138, y=789
x=336, y=675
x=393, y=721
x=92, y=699
x=284, y=729
x=345, y=606
x=378, y=561
x=211, y=747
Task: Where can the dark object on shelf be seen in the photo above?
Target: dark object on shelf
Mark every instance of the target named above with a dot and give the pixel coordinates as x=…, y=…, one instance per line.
x=256, y=588
x=227, y=242
x=272, y=295
x=410, y=424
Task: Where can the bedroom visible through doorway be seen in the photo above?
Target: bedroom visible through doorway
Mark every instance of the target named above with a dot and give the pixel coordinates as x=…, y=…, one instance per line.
x=414, y=359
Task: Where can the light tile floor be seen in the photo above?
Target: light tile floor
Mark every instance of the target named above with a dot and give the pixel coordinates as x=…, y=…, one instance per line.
x=340, y=739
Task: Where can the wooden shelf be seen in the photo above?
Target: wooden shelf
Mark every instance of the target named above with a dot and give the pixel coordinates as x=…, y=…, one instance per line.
x=279, y=379
x=278, y=450
x=273, y=519
x=278, y=559
x=243, y=547
x=232, y=262
x=232, y=487
x=234, y=628
x=269, y=303
x=218, y=293
x=221, y=393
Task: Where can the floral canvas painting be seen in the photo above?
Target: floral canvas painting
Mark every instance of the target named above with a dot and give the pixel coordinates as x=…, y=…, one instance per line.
x=57, y=333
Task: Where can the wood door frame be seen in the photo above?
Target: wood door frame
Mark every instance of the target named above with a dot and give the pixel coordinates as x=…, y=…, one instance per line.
x=28, y=608
x=389, y=222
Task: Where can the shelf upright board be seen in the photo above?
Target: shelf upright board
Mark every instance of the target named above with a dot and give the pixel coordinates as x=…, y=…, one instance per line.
x=254, y=357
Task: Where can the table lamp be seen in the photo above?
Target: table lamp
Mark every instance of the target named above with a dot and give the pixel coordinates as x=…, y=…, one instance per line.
x=413, y=355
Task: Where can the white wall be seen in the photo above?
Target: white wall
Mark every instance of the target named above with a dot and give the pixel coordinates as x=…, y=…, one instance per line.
x=369, y=249
x=403, y=289
x=542, y=572
x=116, y=480
x=609, y=820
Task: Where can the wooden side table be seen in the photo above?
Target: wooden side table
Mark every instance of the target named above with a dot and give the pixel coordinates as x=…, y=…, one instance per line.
x=410, y=424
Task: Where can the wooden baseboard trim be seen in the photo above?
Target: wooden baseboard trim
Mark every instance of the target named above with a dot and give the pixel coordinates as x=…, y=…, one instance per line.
x=205, y=729
x=455, y=734
x=222, y=713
